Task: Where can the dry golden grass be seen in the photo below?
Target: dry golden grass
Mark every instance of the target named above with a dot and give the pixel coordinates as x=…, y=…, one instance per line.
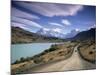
x=21, y=66
x=62, y=51
x=88, y=52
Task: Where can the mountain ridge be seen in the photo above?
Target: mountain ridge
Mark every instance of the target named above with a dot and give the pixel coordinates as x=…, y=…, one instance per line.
x=20, y=35
x=88, y=34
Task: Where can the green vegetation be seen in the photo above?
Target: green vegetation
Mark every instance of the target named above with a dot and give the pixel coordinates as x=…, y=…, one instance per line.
x=53, y=48
x=38, y=58
x=16, y=62
x=22, y=59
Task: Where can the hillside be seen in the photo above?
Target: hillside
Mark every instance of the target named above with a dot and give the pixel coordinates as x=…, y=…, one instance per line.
x=85, y=35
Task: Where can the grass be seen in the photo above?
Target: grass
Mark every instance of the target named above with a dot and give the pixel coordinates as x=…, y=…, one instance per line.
x=88, y=51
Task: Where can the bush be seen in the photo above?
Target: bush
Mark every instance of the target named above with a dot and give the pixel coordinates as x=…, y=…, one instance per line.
x=22, y=59
x=53, y=48
x=38, y=60
x=46, y=51
x=16, y=62
x=28, y=58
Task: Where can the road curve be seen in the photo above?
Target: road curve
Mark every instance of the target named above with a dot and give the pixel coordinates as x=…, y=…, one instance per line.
x=75, y=62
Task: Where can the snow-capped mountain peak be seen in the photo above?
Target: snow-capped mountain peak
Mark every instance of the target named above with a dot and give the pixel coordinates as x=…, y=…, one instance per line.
x=50, y=33
x=57, y=33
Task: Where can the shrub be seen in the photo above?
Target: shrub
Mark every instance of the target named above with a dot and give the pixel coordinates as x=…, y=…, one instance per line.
x=38, y=60
x=16, y=62
x=22, y=59
x=90, y=52
x=28, y=59
x=53, y=48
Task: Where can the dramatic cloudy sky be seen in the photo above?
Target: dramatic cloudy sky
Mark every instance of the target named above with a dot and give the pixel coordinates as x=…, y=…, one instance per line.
x=62, y=18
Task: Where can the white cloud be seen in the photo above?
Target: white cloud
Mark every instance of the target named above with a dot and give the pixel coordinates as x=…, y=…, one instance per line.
x=26, y=22
x=93, y=26
x=23, y=26
x=77, y=29
x=56, y=24
x=57, y=30
x=15, y=24
x=52, y=9
x=46, y=29
x=19, y=13
x=66, y=22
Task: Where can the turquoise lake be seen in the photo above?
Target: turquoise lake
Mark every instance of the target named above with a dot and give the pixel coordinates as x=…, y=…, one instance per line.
x=27, y=50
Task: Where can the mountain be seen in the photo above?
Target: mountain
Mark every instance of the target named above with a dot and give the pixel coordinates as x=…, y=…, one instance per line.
x=86, y=35
x=72, y=33
x=20, y=35
x=50, y=33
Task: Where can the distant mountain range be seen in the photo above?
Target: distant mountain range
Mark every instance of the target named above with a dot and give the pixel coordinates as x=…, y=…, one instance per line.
x=51, y=33
x=20, y=35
